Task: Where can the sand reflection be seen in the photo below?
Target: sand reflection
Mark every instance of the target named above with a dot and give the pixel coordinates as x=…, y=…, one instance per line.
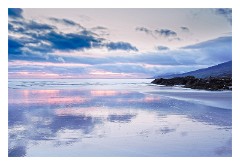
x=113, y=123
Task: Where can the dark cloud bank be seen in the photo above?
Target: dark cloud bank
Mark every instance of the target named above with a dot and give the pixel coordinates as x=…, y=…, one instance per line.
x=39, y=37
x=15, y=13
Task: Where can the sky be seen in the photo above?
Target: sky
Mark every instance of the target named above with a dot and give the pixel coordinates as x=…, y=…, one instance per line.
x=116, y=43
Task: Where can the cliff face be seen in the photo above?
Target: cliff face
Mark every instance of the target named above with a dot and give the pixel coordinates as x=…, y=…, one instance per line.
x=211, y=83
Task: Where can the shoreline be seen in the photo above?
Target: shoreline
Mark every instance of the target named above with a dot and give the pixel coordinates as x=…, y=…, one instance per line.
x=210, y=83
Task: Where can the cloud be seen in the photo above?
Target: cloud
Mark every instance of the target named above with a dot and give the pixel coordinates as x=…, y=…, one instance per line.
x=146, y=31
x=166, y=33
x=88, y=33
x=175, y=39
x=184, y=29
x=205, y=53
x=14, y=46
x=214, y=43
x=28, y=46
x=37, y=47
x=35, y=41
x=120, y=46
x=162, y=48
x=172, y=61
x=60, y=59
x=15, y=29
x=225, y=12
x=100, y=30
x=212, y=51
x=66, y=22
x=32, y=25
x=15, y=13
x=143, y=29
x=32, y=40
x=28, y=27
x=181, y=60
x=70, y=41
x=48, y=68
x=123, y=67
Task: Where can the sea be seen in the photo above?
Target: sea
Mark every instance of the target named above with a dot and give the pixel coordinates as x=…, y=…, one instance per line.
x=116, y=118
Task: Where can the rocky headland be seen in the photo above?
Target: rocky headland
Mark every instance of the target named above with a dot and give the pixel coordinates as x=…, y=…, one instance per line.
x=210, y=83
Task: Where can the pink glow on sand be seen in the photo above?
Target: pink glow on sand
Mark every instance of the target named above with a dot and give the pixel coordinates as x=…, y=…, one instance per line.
x=103, y=93
x=147, y=99
x=106, y=93
x=45, y=97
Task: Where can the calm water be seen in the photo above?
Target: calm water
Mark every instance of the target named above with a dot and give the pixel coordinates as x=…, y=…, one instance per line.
x=110, y=117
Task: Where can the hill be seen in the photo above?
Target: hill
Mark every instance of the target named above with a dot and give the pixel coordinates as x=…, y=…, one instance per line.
x=220, y=70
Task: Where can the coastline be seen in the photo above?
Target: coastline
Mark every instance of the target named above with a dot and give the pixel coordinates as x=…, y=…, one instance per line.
x=210, y=83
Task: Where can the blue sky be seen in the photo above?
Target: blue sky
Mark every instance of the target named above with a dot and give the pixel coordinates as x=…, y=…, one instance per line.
x=116, y=43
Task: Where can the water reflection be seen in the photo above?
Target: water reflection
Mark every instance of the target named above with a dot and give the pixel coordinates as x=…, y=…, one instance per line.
x=84, y=123
x=225, y=149
x=63, y=118
x=125, y=118
x=18, y=151
x=166, y=130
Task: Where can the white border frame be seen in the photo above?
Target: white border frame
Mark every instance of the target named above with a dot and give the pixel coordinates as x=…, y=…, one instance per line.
x=118, y=4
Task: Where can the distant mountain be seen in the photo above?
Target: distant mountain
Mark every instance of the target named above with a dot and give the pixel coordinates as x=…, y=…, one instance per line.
x=220, y=70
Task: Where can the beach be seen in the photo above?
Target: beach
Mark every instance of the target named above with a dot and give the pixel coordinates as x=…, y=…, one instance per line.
x=116, y=117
